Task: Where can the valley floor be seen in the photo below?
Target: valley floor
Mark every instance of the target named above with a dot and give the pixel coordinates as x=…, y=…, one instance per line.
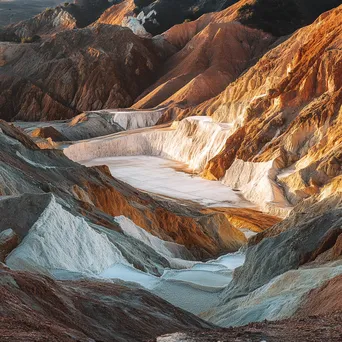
x=167, y=178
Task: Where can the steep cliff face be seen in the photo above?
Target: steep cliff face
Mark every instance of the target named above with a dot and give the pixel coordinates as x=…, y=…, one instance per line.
x=181, y=89
x=289, y=269
x=286, y=113
x=194, y=75
x=73, y=71
x=287, y=109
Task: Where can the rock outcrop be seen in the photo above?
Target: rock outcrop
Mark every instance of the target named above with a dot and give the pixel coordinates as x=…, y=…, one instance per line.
x=303, y=252
x=283, y=95
x=116, y=14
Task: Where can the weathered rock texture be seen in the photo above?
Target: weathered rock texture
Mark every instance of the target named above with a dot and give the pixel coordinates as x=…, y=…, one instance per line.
x=116, y=14
x=73, y=71
x=293, y=268
x=213, y=58
x=36, y=308
x=284, y=86
x=107, y=69
x=288, y=250
x=286, y=110
x=314, y=328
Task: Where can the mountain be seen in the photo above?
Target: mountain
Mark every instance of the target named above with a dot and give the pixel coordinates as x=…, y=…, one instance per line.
x=293, y=106
x=210, y=208
x=159, y=75
x=108, y=58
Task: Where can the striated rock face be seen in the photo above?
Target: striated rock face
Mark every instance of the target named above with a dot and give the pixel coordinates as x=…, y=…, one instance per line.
x=205, y=65
x=193, y=141
x=117, y=13
x=93, y=71
x=278, y=299
x=316, y=237
x=323, y=300
x=101, y=66
x=35, y=308
x=201, y=69
x=283, y=97
x=285, y=111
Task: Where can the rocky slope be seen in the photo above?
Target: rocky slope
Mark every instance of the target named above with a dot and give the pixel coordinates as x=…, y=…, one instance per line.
x=110, y=59
x=36, y=308
x=289, y=117
x=46, y=199
x=278, y=130
x=314, y=328
x=48, y=22
x=208, y=62
x=93, y=69
x=204, y=67
x=287, y=126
